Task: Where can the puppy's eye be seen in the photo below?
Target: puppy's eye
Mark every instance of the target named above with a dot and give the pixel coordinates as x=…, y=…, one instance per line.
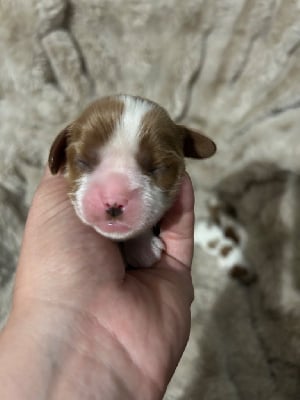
x=82, y=164
x=158, y=170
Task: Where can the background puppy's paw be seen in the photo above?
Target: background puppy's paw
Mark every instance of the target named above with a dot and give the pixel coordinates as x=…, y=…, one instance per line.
x=224, y=237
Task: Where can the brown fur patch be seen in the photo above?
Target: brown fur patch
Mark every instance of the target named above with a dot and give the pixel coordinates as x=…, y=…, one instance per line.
x=215, y=213
x=231, y=233
x=243, y=274
x=226, y=250
x=160, y=153
x=213, y=244
x=88, y=133
x=196, y=144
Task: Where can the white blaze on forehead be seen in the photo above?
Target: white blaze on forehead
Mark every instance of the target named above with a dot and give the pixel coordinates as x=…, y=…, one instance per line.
x=119, y=152
x=127, y=130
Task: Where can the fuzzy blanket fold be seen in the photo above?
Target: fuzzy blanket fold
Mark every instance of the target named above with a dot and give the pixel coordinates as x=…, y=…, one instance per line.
x=230, y=68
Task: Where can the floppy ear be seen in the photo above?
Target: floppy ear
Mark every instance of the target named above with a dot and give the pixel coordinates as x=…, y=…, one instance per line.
x=196, y=145
x=57, y=155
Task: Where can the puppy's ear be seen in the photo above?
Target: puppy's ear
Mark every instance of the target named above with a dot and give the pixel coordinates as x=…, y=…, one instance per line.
x=195, y=144
x=57, y=155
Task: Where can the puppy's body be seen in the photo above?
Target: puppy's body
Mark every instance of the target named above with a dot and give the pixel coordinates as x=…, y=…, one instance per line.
x=124, y=160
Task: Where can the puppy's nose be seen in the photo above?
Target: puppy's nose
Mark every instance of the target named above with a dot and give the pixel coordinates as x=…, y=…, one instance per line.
x=114, y=210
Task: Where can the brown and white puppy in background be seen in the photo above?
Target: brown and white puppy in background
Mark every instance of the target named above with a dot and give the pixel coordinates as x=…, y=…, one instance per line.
x=124, y=160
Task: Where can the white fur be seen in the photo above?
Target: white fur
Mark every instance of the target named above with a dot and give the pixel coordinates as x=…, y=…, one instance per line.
x=77, y=202
x=206, y=233
x=122, y=147
x=211, y=237
x=128, y=129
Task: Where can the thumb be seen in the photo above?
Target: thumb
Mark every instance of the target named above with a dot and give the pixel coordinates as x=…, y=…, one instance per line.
x=177, y=226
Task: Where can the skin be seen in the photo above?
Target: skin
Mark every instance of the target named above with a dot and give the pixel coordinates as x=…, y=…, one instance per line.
x=81, y=326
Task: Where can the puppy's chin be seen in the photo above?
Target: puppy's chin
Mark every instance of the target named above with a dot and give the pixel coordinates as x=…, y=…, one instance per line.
x=116, y=231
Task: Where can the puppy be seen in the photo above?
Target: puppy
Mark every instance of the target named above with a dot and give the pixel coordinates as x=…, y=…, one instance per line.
x=123, y=158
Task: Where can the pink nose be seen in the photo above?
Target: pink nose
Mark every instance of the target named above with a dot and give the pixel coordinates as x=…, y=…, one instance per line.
x=115, y=195
x=115, y=210
x=115, y=206
x=111, y=200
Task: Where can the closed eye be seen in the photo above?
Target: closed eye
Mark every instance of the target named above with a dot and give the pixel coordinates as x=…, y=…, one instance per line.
x=158, y=169
x=82, y=164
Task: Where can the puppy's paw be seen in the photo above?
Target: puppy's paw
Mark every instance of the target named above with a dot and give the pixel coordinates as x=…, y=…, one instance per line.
x=157, y=247
x=224, y=237
x=143, y=251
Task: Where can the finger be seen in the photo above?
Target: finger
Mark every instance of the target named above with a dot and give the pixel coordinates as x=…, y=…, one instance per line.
x=177, y=227
x=53, y=223
x=47, y=172
x=51, y=194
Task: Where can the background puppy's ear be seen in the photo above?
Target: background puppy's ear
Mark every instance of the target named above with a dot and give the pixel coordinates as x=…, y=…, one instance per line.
x=57, y=155
x=195, y=144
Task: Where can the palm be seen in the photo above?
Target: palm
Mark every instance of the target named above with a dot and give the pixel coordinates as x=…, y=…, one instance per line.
x=139, y=318
x=147, y=320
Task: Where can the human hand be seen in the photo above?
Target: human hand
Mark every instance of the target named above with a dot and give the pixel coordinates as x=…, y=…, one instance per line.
x=105, y=330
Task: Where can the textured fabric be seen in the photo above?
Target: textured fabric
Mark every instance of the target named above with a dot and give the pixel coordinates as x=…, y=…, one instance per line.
x=229, y=67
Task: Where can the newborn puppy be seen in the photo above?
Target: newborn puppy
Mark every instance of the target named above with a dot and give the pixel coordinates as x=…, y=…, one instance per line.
x=123, y=158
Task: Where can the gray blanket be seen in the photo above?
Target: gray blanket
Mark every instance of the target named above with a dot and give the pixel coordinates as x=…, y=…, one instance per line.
x=231, y=68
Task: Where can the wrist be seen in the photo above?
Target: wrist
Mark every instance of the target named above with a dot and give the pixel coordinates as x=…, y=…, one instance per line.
x=41, y=359
x=29, y=357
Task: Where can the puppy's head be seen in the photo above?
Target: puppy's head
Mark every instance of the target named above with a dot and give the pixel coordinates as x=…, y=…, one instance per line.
x=124, y=159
